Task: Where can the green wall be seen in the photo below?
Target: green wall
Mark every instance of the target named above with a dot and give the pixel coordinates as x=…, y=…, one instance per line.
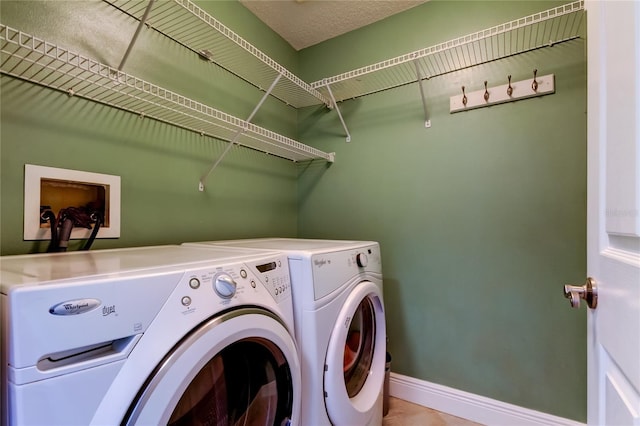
x=249, y=194
x=481, y=218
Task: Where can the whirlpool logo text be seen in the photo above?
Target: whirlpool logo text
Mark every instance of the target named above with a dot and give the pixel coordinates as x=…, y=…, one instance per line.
x=321, y=262
x=74, y=307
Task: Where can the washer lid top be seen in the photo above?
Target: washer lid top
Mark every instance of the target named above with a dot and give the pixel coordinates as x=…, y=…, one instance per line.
x=38, y=269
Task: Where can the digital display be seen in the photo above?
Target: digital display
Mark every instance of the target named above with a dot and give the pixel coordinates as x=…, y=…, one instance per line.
x=266, y=267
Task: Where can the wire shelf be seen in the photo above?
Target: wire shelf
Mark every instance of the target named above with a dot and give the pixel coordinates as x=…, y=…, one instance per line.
x=35, y=60
x=531, y=32
x=186, y=23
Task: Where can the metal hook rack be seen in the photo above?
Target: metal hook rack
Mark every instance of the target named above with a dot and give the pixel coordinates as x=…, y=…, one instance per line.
x=512, y=91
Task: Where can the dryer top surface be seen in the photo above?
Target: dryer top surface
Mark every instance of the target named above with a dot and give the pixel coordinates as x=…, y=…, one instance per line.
x=38, y=269
x=294, y=245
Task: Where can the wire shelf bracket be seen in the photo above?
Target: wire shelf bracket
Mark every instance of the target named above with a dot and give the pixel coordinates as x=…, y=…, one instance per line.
x=145, y=15
x=335, y=105
x=238, y=133
x=427, y=122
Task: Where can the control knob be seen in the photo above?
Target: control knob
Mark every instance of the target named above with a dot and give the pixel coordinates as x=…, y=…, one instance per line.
x=362, y=260
x=225, y=286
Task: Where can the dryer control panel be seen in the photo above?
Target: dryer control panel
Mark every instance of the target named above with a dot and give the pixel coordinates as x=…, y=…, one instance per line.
x=331, y=270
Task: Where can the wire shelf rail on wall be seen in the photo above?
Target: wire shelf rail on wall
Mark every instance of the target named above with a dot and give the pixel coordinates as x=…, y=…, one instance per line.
x=542, y=29
x=35, y=60
x=189, y=25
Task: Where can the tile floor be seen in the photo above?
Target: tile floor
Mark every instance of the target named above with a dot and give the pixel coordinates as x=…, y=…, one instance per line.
x=404, y=413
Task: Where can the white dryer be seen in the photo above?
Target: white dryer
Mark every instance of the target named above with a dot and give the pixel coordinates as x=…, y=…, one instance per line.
x=340, y=326
x=157, y=335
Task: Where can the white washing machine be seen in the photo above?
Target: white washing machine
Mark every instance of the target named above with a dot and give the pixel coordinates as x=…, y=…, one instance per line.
x=158, y=335
x=340, y=326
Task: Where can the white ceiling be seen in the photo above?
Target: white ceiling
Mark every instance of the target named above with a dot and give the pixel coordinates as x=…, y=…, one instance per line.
x=303, y=23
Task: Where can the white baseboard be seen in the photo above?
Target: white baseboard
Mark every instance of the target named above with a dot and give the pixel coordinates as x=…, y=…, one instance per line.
x=469, y=406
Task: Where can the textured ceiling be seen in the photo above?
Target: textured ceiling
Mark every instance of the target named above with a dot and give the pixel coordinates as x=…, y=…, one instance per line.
x=304, y=23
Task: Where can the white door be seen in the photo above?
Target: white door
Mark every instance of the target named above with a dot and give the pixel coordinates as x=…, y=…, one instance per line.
x=613, y=211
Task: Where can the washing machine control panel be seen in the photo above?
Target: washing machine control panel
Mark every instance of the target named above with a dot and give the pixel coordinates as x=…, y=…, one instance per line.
x=238, y=283
x=225, y=286
x=273, y=275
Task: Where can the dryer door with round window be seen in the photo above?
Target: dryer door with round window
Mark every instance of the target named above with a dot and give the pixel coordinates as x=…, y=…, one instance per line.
x=355, y=361
x=239, y=368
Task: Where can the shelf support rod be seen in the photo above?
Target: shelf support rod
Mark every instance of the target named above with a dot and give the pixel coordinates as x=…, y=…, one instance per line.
x=240, y=131
x=335, y=105
x=427, y=122
x=136, y=34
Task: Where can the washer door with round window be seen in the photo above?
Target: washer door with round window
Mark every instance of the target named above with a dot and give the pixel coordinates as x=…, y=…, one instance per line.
x=354, y=375
x=240, y=368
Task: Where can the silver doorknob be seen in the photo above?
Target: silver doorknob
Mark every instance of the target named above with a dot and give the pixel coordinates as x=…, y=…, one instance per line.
x=587, y=292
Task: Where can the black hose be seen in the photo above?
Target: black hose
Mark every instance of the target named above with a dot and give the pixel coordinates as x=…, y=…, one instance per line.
x=65, y=234
x=94, y=233
x=49, y=216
